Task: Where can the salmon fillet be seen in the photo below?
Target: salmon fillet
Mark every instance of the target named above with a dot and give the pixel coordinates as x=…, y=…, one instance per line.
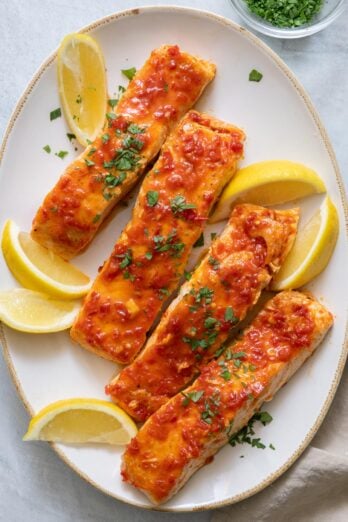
x=168, y=84
x=227, y=283
x=149, y=258
x=190, y=428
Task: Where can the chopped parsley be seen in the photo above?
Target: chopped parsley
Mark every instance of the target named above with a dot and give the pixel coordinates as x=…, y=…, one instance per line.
x=211, y=408
x=229, y=315
x=149, y=255
x=191, y=396
x=152, y=198
x=128, y=275
x=70, y=136
x=255, y=76
x=133, y=128
x=164, y=292
x=210, y=322
x=166, y=87
x=78, y=99
x=203, y=294
x=55, y=114
x=166, y=244
x=213, y=235
x=187, y=275
x=96, y=218
x=271, y=446
x=105, y=138
x=89, y=162
x=225, y=373
x=113, y=181
x=111, y=116
x=178, y=205
x=200, y=241
x=245, y=435
x=129, y=73
x=61, y=154
x=47, y=149
x=126, y=258
x=113, y=102
x=107, y=195
x=285, y=13
x=213, y=262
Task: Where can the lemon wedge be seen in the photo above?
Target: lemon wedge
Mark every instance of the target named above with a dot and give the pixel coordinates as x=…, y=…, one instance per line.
x=37, y=268
x=82, y=420
x=268, y=183
x=32, y=312
x=82, y=85
x=312, y=249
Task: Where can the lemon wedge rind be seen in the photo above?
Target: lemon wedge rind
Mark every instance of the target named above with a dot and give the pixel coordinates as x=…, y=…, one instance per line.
x=33, y=312
x=268, y=183
x=82, y=85
x=70, y=420
x=30, y=276
x=317, y=252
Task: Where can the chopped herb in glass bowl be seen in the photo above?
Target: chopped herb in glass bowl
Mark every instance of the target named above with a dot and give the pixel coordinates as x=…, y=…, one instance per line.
x=288, y=18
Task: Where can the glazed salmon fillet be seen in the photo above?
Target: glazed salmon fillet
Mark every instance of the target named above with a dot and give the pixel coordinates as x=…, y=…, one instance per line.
x=148, y=260
x=192, y=426
x=224, y=287
x=162, y=91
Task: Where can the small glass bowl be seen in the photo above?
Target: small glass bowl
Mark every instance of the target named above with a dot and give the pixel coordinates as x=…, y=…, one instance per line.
x=330, y=10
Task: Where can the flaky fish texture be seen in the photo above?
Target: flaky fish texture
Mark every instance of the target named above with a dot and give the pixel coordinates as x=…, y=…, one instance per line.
x=168, y=84
x=175, y=199
x=189, y=429
x=225, y=286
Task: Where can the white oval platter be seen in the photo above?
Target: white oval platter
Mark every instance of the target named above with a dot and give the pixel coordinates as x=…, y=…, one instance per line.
x=280, y=122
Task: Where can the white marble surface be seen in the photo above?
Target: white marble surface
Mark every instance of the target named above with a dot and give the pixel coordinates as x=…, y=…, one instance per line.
x=34, y=484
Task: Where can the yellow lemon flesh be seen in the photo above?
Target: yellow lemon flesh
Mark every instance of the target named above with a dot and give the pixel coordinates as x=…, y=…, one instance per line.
x=37, y=268
x=82, y=85
x=312, y=249
x=268, y=183
x=82, y=420
x=32, y=312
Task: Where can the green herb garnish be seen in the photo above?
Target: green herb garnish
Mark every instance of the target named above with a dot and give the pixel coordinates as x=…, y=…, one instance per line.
x=255, y=76
x=187, y=275
x=203, y=294
x=55, y=114
x=47, y=149
x=61, y=154
x=113, y=102
x=129, y=73
x=135, y=129
x=229, y=315
x=96, y=218
x=70, y=136
x=200, y=241
x=152, y=198
x=191, y=396
x=211, y=408
x=126, y=258
x=244, y=436
x=178, y=205
x=285, y=13
x=89, y=162
x=166, y=244
x=213, y=262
